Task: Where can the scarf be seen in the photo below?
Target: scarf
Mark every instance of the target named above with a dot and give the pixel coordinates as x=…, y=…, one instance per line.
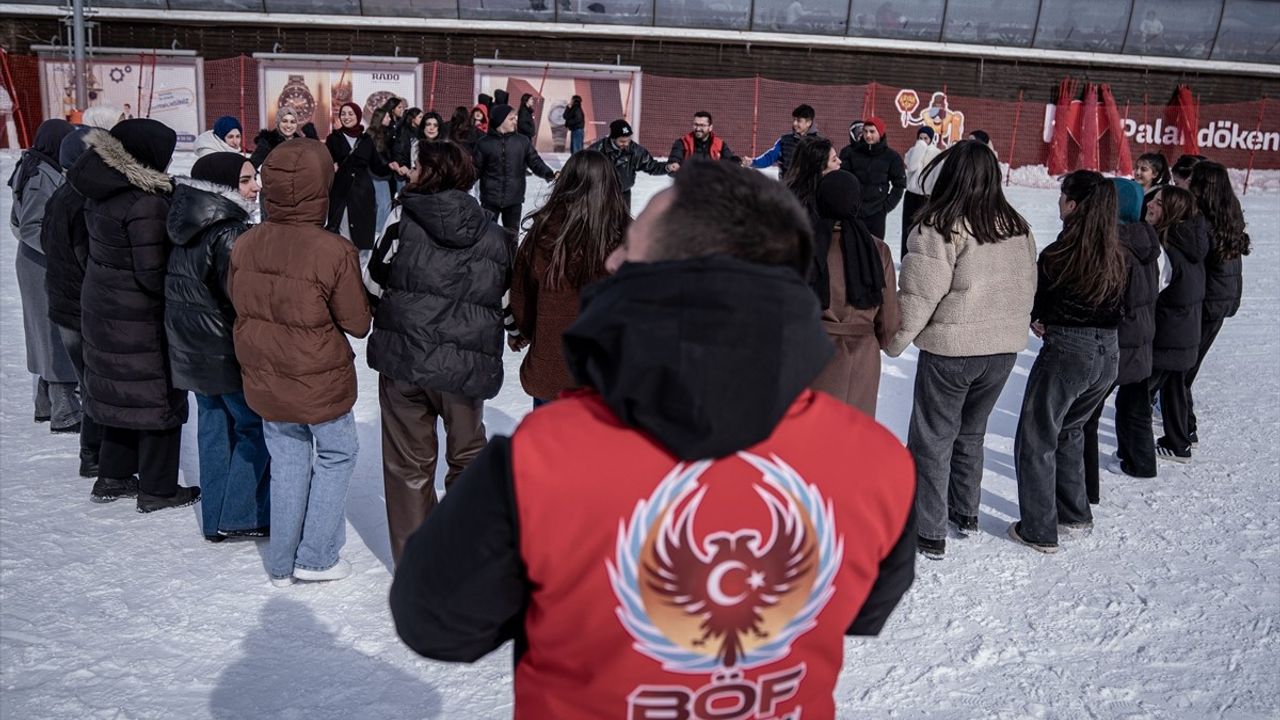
x=840, y=199
x=358, y=129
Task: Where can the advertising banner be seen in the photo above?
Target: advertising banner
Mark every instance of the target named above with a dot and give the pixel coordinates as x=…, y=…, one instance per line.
x=608, y=92
x=161, y=87
x=317, y=88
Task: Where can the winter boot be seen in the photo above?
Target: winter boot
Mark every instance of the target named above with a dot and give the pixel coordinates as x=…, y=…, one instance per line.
x=1016, y=536
x=88, y=463
x=184, y=497
x=107, y=490
x=965, y=523
x=932, y=549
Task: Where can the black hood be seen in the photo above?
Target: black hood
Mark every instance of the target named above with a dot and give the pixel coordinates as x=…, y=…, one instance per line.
x=107, y=169
x=452, y=218
x=1140, y=241
x=1191, y=237
x=198, y=205
x=706, y=355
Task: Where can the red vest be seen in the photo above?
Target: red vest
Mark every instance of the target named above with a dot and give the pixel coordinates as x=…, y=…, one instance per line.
x=716, y=589
x=717, y=146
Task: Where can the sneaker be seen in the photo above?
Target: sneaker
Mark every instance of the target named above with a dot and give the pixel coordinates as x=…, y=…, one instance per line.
x=282, y=582
x=932, y=549
x=88, y=466
x=966, y=523
x=258, y=532
x=1076, y=527
x=340, y=570
x=215, y=539
x=1046, y=548
x=1164, y=452
x=107, y=490
x=1194, y=437
x=184, y=497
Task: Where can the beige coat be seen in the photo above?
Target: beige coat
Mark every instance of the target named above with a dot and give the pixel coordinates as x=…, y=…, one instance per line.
x=965, y=299
x=853, y=375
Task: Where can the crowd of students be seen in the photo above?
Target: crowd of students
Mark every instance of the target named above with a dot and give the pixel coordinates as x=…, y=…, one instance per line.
x=243, y=283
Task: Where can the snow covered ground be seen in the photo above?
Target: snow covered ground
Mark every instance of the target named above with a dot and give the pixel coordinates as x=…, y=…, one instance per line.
x=1169, y=609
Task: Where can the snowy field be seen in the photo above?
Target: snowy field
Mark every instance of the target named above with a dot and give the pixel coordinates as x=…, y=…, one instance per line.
x=1169, y=609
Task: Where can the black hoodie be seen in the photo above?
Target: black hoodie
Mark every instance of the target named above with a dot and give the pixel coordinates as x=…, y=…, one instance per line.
x=1138, y=325
x=1180, y=305
x=704, y=356
x=204, y=221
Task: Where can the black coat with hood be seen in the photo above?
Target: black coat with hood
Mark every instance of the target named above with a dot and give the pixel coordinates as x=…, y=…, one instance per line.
x=501, y=160
x=574, y=118
x=525, y=124
x=1224, y=286
x=443, y=272
x=204, y=221
x=697, y=394
x=880, y=170
x=126, y=374
x=1137, y=327
x=628, y=162
x=1180, y=305
x=65, y=240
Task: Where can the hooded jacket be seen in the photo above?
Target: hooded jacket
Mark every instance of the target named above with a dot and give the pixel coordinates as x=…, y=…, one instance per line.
x=501, y=160
x=526, y=125
x=126, y=373
x=439, y=320
x=207, y=142
x=880, y=170
x=296, y=290
x=1224, y=286
x=1180, y=306
x=204, y=221
x=1137, y=327
x=65, y=240
x=626, y=163
x=550, y=536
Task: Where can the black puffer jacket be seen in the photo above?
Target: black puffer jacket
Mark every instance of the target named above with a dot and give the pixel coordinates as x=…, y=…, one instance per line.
x=880, y=170
x=1224, y=284
x=204, y=221
x=65, y=240
x=126, y=360
x=439, y=322
x=574, y=118
x=500, y=163
x=630, y=161
x=525, y=124
x=266, y=141
x=1180, y=305
x=1138, y=325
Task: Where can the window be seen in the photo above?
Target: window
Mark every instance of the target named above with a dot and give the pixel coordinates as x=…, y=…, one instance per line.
x=530, y=10
x=899, y=19
x=999, y=22
x=717, y=14
x=1250, y=32
x=217, y=5
x=813, y=17
x=328, y=7
x=411, y=8
x=605, y=12
x=1177, y=28
x=1089, y=25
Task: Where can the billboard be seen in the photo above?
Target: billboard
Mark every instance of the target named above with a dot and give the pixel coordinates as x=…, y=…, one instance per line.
x=316, y=88
x=168, y=88
x=608, y=92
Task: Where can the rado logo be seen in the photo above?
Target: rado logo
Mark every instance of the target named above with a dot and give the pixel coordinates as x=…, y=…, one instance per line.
x=386, y=76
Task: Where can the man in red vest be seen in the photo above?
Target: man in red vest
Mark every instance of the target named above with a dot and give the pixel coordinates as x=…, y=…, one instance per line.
x=701, y=143
x=694, y=534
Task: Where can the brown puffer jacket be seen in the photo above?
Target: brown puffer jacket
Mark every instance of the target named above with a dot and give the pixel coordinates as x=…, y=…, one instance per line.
x=296, y=289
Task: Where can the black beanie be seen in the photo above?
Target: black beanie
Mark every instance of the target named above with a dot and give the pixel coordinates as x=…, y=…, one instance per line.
x=220, y=168
x=498, y=114
x=150, y=142
x=619, y=128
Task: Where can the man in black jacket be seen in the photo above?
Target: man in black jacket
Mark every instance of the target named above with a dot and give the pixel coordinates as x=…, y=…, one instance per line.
x=553, y=536
x=628, y=157
x=501, y=159
x=701, y=143
x=880, y=170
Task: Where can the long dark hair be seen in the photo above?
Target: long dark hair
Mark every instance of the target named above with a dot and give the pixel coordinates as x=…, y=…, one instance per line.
x=1159, y=164
x=460, y=124
x=1087, y=257
x=967, y=196
x=443, y=166
x=1183, y=166
x=582, y=222
x=1217, y=201
x=406, y=122
x=1178, y=205
x=377, y=131
x=808, y=162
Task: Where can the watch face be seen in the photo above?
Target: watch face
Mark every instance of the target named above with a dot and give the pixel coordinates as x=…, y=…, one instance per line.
x=556, y=115
x=297, y=96
x=375, y=101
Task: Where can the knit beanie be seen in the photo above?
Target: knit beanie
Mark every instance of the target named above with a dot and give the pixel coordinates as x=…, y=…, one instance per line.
x=498, y=114
x=224, y=125
x=150, y=142
x=619, y=129
x=876, y=123
x=926, y=130
x=220, y=168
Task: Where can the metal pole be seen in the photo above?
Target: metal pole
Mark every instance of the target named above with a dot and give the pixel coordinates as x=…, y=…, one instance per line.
x=78, y=45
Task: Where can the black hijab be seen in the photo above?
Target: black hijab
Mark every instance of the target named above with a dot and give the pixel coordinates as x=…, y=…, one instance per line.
x=840, y=199
x=48, y=142
x=150, y=142
x=221, y=168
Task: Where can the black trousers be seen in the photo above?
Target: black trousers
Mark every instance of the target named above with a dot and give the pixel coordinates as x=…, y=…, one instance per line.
x=153, y=454
x=1208, y=333
x=509, y=216
x=1174, y=407
x=1134, y=442
x=90, y=431
x=911, y=203
x=875, y=223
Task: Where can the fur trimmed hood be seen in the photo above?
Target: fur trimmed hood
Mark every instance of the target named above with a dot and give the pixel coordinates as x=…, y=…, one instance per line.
x=198, y=205
x=108, y=169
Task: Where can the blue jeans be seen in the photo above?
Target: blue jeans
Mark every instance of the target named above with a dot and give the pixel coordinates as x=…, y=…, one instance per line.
x=1072, y=375
x=311, y=467
x=575, y=139
x=235, y=489
x=382, y=198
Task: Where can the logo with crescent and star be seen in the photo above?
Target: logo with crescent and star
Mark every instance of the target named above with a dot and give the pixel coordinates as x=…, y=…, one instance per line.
x=707, y=600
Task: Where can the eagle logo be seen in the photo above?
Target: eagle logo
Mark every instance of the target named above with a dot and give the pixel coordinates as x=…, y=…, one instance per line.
x=736, y=597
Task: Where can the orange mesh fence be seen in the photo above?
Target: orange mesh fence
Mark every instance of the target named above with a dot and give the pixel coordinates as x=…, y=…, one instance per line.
x=231, y=88
x=20, y=78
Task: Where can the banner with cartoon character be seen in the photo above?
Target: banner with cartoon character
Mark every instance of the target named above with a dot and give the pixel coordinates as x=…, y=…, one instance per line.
x=947, y=124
